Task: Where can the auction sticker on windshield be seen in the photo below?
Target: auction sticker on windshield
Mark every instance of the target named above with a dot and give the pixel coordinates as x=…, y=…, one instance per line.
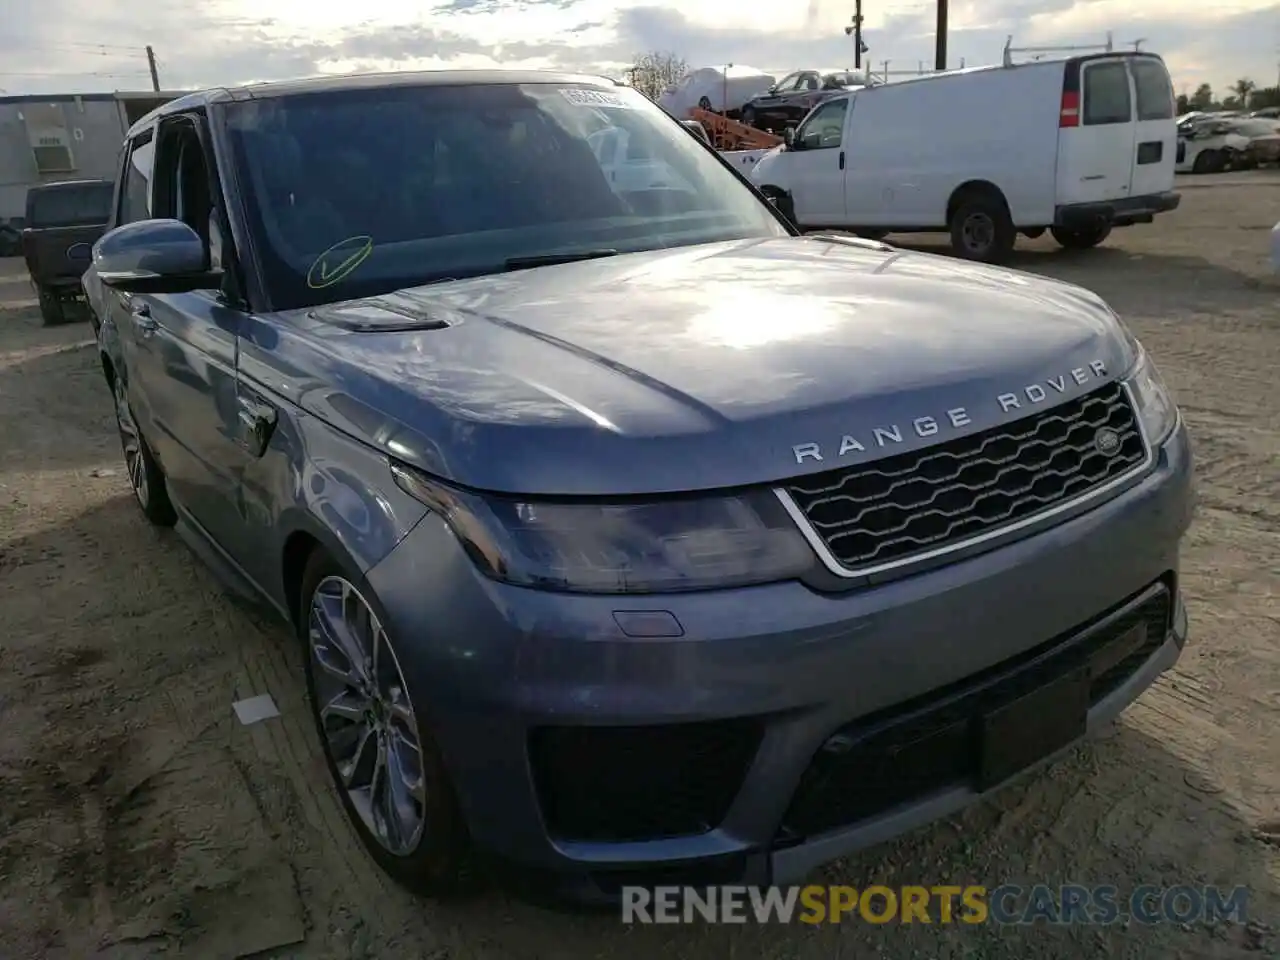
x=593, y=98
x=338, y=262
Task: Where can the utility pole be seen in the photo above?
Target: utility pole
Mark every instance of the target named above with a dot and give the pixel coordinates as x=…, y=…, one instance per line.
x=854, y=29
x=940, y=39
x=151, y=62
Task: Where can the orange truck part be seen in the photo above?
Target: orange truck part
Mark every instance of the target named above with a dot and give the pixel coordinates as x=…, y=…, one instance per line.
x=729, y=134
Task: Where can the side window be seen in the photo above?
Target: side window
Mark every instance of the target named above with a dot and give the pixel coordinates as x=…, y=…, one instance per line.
x=1155, y=93
x=810, y=82
x=1106, y=94
x=825, y=128
x=135, y=179
x=789, y=83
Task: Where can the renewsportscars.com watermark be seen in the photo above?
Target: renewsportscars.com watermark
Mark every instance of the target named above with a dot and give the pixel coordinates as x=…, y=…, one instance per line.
x=1007, y=904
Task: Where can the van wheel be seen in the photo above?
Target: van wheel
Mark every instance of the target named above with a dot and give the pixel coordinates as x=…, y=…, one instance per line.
x=982, y=230
x=51, y=312
x=704, y=103
x=1081, y=238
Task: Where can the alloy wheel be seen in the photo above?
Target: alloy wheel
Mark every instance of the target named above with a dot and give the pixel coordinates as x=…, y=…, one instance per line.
x=370, y=729
x=131, y=444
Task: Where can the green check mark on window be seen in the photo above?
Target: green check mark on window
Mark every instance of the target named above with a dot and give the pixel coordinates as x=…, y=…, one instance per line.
x=325, y=272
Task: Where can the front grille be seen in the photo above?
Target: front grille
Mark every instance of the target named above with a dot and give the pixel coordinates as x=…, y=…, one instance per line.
x=906, y=754
x=913, y=503
x=616, y=784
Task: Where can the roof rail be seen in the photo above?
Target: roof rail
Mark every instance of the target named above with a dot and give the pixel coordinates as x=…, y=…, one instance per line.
x=1010, y=49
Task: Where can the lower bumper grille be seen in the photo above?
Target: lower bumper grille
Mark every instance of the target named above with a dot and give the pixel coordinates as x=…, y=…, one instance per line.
x=905, y=755
x=893, y=510
x=618, y=784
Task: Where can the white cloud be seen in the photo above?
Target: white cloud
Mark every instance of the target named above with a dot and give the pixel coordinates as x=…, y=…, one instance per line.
x=82, y=45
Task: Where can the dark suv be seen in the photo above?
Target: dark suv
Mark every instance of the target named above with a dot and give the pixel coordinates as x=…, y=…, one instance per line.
x=790, y=99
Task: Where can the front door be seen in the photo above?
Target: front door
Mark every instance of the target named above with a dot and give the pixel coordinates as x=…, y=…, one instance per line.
x=817, y=161
x=1095, y=158
x=186, y=354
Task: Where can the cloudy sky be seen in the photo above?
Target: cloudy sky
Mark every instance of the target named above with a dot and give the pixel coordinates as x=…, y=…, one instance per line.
x=84, y=45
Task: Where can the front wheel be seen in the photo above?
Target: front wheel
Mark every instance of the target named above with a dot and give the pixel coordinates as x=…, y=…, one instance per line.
x=1208, y=161
x=1081, y=238
x=748, y=116
x=389, y=773
x=982, y=230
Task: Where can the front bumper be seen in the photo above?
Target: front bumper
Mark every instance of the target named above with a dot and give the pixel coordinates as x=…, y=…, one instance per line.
x=691, y=753
x=1119, y=213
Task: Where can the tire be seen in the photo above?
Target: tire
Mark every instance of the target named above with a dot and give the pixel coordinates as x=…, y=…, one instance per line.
x=748, y=116
x=1033, y=233
x=704, y=103
x=1081, y=238
x=427, y=849
x=145, y=476
x=1208, y=161
x=981, y=229
x=51, y=308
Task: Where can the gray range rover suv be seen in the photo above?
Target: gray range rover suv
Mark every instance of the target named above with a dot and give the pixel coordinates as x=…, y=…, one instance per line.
x=628, y=533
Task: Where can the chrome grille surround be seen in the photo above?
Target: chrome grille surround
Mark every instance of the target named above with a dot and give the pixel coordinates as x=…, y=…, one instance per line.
x=918, y=506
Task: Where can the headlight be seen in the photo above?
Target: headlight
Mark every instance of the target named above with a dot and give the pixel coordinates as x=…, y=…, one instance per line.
x=652, y=547
x=1156, y=409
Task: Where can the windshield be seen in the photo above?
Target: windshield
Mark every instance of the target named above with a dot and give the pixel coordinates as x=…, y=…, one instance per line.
x=360, y=192
x=84, y=204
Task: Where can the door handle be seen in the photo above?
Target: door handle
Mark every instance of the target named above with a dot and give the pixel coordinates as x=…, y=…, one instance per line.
x=840, y=159
x=142, y=318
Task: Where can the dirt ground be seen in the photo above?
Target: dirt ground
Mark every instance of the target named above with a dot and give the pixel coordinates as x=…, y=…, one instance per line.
x=138, y=818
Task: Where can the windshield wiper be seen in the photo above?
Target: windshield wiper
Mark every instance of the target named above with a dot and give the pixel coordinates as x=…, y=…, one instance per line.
x=550, y=259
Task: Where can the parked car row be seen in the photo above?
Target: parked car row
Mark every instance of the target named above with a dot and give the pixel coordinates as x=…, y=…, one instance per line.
x=1210, y=143
x=622, y=528
x=1083, y=145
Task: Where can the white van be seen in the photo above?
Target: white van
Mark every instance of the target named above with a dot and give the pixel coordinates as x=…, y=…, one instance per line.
x=1074, y=146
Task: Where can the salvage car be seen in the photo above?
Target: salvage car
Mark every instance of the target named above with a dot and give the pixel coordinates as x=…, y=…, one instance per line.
x=785, y=103
x=1215, y=144
x=62, y=222
x=625, y=529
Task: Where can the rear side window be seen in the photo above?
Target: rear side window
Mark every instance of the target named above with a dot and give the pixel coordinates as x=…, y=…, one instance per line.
x=1155, y=93
x=1106, y=94
x=71, y=206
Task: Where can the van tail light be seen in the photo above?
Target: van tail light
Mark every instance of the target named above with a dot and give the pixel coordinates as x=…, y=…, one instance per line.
x=1069, y=116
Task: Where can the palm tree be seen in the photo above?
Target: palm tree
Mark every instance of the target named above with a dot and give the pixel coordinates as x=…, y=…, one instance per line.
x=1243, y=87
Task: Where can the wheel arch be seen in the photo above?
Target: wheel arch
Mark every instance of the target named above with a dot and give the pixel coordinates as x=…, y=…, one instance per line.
x=974, y=188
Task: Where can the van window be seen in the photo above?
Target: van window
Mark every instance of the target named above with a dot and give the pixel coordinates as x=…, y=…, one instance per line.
x=1106, y=94
x=1155, y=93
x=825, y=128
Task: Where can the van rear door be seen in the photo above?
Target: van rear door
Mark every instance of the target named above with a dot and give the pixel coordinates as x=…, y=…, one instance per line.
x=1095, y=131
x=1156, y=132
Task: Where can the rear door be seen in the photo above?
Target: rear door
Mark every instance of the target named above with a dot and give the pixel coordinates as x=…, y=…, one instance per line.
x=1095, y=131
x=1155, y=130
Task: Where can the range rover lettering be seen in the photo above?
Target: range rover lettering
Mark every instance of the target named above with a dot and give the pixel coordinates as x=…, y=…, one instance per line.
x=624, y=528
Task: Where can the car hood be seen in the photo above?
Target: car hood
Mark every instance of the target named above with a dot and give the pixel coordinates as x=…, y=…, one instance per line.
x=693, y=368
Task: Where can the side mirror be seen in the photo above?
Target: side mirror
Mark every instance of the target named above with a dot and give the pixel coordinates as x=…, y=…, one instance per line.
x=154, y=256
x=789, y=137
x=773, y=88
